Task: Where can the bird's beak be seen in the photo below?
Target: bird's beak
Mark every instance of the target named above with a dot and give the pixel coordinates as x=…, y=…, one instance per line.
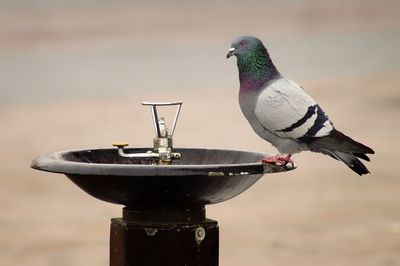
x=231, y=52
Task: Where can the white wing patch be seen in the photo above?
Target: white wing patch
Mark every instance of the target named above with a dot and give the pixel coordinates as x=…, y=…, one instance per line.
x=325, y=130
x=286, y=110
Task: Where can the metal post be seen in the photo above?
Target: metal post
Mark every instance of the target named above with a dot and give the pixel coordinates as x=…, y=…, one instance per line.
x=160, y=237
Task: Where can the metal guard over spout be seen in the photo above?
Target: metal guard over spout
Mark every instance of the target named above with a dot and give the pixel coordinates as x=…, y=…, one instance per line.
x=162, y=143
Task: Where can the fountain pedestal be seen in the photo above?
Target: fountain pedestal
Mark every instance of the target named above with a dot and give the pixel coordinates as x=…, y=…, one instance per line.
x=165, y=222
x=164, y=238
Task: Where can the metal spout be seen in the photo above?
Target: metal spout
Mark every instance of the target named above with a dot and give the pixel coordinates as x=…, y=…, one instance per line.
x=163, y=142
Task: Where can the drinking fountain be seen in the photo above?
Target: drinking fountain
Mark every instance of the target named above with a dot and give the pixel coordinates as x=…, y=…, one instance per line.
x=164, y=191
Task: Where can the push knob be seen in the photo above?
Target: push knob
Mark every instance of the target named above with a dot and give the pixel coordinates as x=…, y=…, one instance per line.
x=120, y=144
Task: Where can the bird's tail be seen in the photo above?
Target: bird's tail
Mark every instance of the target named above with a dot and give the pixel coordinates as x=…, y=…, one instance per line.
x=351, y=161
x=343, y=148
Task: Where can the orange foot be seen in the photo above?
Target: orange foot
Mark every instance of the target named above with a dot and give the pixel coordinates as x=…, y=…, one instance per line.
x=279, y=160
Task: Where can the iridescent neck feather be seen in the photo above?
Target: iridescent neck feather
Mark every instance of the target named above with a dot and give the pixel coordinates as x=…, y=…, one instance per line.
x=255, y=69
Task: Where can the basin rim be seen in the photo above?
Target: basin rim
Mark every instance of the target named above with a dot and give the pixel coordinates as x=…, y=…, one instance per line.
x=55, y=162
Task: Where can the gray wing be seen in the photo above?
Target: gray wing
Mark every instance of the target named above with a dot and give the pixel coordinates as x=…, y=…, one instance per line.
x=286, y=110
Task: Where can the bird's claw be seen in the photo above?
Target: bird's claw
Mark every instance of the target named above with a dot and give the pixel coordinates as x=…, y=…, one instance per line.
x=279, y=160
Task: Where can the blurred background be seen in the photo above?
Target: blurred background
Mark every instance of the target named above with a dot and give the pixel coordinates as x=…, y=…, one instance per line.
x=73, y=74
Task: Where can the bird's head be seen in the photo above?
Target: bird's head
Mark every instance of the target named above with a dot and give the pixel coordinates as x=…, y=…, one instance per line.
x=254, y=63
x=244, y=45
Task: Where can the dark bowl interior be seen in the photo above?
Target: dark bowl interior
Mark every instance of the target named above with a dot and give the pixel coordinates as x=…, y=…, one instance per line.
x=202, y=176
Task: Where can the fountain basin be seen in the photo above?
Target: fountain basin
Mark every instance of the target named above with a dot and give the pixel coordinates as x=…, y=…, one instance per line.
x=202, y=176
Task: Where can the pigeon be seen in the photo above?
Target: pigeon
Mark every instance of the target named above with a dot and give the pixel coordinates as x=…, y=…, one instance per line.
x=282, y=113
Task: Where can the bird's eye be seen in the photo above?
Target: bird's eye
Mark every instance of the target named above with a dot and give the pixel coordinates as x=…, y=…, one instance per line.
x=242, y=43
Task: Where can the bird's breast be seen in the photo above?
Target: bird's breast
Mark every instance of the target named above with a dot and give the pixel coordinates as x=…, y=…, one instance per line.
x=247, y=102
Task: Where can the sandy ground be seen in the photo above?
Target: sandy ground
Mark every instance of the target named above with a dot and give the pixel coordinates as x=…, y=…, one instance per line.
x=319, y=214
